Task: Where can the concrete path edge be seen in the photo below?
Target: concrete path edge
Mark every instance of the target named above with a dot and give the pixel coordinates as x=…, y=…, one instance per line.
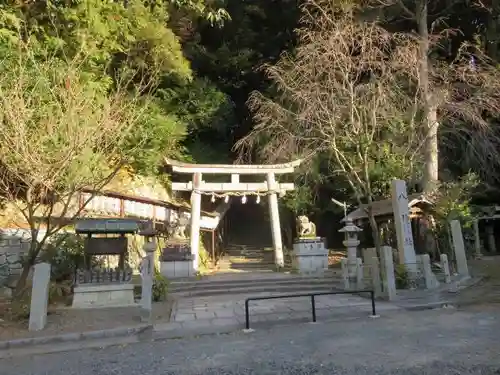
x=76, y=336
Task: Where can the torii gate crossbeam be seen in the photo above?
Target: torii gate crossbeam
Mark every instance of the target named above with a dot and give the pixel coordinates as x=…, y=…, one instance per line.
x=198, y=187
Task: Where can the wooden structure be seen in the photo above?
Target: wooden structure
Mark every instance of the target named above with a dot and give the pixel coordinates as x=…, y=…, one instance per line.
x=104, y=245
x=383, y=212
x=197, y=186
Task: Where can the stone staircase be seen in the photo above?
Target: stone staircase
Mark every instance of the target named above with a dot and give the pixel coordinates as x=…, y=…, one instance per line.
x=254, y=283
x=242, y=258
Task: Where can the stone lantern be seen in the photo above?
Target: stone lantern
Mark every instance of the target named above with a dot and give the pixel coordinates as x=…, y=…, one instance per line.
x=351, y=242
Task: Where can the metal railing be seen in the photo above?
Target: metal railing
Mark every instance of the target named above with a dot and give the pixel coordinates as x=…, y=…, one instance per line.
x=313, y=301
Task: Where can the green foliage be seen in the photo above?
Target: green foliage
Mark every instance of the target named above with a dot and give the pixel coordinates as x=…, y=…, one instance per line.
x=204, y=258
x=402, y=276
x=60, y=292
x=64, y=253
x=452, y=202
x=160, y=287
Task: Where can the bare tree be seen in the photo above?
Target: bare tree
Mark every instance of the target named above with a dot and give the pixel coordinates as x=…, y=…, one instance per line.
x=457, y=98
x=61, y=132
x=344, y=95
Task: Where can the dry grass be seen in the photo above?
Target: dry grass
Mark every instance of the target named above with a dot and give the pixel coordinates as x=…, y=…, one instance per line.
x=62, y=319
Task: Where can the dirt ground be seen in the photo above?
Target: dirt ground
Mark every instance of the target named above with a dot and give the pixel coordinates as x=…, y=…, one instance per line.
x=63, y=319
x=487, y=291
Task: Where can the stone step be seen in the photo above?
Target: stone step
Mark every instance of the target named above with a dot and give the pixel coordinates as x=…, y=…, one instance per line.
x=252, y=288
x=249, y=291
x=254, y=282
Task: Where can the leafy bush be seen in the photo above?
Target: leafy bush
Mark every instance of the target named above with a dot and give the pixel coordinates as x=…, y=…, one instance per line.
x=402, y=276
x=65, y=254
x=59, y=292
x=160, y=287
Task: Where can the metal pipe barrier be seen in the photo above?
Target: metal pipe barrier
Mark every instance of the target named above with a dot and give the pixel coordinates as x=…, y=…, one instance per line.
x=313, y=301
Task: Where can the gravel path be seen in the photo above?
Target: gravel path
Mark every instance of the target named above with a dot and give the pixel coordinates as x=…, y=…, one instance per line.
x=440, y=342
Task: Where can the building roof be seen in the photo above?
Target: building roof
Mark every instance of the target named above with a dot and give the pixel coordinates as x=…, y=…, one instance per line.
x=384, y=207
x=177, y=205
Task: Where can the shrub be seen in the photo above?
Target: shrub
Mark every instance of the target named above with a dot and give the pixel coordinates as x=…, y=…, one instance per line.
x=160, y=287
x=402, y=276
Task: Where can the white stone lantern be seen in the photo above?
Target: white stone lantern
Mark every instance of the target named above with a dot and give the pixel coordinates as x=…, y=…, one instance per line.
x=351, y=243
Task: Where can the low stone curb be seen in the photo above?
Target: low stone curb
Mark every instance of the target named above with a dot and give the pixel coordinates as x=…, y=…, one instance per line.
x=429, y=306
x=72, y=337
x=174, y=332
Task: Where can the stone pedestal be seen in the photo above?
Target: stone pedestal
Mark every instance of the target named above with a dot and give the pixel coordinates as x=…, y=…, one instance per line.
x=310, y=256
x=176, y=261
x=103, y=287
x=103, y=295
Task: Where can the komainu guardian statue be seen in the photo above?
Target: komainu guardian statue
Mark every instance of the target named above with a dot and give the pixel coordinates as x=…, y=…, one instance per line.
x=305, y=228
x=177, y=229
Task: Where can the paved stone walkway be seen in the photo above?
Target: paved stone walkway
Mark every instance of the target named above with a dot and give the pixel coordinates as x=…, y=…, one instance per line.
x=230, y=309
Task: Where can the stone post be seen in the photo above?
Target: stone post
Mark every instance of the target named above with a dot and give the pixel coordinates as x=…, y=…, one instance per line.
x=490, y=232
x=194, y=235
x=369, y=254
x=477, y=240
x=446, y=268
x=388, y=277
x=147, y=275
x=430, y=279
x=351, y=242
x=359, y=274
x=345, y=273
x=375, y=274
x=39, y=297
x=459, y=248
x=402, y=223
x=274, y=213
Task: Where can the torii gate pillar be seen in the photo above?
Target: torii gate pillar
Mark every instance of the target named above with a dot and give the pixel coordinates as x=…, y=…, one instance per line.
x=270, y=187
x=274, y=213
x=194, y=231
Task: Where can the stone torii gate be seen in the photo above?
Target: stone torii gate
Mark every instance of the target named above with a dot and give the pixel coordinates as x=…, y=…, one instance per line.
x=269, y=187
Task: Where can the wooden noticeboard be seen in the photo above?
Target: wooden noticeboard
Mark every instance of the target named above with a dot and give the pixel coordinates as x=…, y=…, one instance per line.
x=105, y=245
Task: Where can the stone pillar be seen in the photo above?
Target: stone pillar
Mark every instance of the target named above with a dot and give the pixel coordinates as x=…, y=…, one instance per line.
x=388, y=277
x=459, y=248
x=274, y=213
x=477, y=240
x=490, y=231
x=147, y=275
x=369, y=254
x=375, y=274
x=345, y=273
x=195, y=220
x=446, y=268
x=39, y=297
x=430, y=279
x=359, y=274
x=402, y=223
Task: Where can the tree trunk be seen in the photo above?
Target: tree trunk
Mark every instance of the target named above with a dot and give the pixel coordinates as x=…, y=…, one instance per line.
x=375, y=232
x=28, y=263
x=492, y=31
x=431, y=151
x=21, y=281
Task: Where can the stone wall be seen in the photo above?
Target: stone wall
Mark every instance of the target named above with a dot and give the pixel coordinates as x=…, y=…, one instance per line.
x=14, y=243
